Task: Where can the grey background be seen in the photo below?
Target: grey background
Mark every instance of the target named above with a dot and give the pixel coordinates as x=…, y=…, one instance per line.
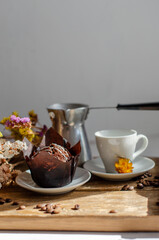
x=100, y=52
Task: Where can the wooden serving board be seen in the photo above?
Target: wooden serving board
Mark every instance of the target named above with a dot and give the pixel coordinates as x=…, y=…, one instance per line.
x=135, y=210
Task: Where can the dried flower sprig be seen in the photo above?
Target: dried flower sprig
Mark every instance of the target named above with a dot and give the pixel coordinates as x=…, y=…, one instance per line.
x=25, y=127
x=19, y=127
x=123, y=165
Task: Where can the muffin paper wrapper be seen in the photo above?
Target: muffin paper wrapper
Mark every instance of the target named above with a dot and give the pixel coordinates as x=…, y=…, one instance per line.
x=46, y=170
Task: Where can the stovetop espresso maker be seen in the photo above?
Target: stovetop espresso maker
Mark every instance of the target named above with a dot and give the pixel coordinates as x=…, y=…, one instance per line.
x=68, y=120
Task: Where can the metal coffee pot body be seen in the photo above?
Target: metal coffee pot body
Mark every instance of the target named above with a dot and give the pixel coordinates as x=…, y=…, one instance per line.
x=68, y=120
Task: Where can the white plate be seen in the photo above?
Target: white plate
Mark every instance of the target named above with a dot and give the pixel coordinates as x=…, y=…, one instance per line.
x=25, y=180
x=140, y=164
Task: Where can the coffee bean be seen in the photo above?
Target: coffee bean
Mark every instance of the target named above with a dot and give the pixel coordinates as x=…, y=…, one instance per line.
x=149, y=175
x=112, y=211
x=157, y=203
x=43, y=208
x=125, y=187
x=145, y=175
x=49, y=205
x=2, y=202
x=15, y=203
x=142, y=177
x=156, y=184
x=22, y=207
x=76, y=207
x=8, y=200
x=148, y=183
x=140, y=185
x=49, y=209
x=130, y=188
x=56, y=210
x=141, y=181
x=144, y=183
x=40, y=205
x=156, y=177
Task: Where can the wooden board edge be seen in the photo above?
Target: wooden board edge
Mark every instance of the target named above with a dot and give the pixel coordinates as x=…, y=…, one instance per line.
x=81, y=223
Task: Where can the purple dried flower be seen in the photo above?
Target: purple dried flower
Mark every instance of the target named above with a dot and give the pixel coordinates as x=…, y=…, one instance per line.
x=25, y=120
x=17, y=120
x=13, y=118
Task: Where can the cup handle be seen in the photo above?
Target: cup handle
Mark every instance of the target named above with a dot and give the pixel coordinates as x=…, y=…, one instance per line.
x=143, y=147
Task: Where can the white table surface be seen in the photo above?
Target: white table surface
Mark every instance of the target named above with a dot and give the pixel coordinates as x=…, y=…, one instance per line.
x=18, y=235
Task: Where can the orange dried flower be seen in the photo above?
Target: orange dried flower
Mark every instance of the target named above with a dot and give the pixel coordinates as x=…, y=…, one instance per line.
x=123, y=165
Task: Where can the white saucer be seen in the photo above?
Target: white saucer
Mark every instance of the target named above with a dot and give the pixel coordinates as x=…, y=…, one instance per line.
x=140, y=164
x=25, y=180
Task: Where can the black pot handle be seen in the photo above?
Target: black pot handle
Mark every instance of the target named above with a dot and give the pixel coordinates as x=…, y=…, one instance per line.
x=139, y=106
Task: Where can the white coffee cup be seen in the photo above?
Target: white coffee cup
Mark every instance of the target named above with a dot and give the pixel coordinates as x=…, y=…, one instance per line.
x=113, y=144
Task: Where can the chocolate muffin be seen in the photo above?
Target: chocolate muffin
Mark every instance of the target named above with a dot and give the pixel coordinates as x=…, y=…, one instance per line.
x=54, y=164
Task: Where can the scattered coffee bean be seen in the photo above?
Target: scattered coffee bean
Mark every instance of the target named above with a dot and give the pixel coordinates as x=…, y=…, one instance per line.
x=140, y=185
x=76, y=207
x=49, y=205
x=130, y=188
x=15, y=203
x=49, y=209
x=2, y=202
x=22, y=207
x=43, y=208
x=156, y=177
x=145, y=175
x=148, y=183
x=142, y=177
x=157, y=203
x=156, y=184
x=56, y=210
x=149, y=175
x=40, y=205
x=125, y=187
x=8, y=200
x=112, y=211
x=145, y=183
